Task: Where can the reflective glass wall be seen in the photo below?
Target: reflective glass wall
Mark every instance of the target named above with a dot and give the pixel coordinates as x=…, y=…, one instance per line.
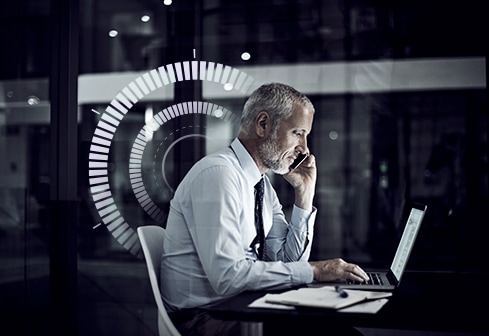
x=25, y=150
x=105, y=105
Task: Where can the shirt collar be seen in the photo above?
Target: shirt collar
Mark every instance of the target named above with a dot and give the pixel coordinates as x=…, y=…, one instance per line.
x=247, y=163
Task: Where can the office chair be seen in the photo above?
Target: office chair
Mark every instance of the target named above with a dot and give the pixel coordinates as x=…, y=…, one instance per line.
x=151, y=238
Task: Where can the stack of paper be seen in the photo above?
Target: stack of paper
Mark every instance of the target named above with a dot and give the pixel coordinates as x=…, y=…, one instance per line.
x=324, y=297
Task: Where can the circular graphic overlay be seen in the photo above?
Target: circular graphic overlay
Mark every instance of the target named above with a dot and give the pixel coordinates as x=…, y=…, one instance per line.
x=114, y=114
x=136, y=157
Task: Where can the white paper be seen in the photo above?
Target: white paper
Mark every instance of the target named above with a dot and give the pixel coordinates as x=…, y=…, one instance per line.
x=372, y=306
x=367, y=307
x=323, y=297
x=262, y=303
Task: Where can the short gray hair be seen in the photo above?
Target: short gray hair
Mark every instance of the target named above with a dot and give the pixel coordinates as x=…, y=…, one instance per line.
x=275, y=98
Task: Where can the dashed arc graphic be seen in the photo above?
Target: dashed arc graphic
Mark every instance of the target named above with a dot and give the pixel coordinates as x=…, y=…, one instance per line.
x=114, y=114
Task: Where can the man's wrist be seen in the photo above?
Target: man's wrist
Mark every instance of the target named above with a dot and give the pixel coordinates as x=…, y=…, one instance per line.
x=304, y=198
x=315, y=271
x=305, y=203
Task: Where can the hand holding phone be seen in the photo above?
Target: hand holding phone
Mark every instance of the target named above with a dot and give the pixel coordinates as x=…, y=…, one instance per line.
x=303, y=180
x=300, y=158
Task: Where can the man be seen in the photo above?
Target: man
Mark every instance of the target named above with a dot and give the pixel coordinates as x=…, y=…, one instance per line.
x=212, y=248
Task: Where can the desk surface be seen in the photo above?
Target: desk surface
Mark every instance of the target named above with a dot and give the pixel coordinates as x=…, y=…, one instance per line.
x=441, y=301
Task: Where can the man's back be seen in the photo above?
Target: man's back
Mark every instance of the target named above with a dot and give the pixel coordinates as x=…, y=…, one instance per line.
x=199, y=195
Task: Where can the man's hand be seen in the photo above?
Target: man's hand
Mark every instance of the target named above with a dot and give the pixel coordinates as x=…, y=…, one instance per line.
x=303, y=179
x=337, y=269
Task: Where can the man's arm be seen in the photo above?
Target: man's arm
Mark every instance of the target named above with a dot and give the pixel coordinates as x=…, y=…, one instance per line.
x=290, y=240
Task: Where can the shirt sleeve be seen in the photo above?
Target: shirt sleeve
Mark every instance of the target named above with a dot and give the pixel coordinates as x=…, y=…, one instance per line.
x=292, y=241
x=216, y=211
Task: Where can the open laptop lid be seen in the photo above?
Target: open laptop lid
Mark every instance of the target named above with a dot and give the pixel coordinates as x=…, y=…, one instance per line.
x=392, y=276
x=406, y=243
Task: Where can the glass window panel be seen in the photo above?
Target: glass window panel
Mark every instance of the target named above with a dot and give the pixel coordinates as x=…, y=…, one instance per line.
x=400, y=117
x=401, y=99
x=25, y=116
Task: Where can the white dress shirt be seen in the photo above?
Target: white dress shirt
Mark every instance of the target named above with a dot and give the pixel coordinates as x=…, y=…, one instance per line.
x=206, y=253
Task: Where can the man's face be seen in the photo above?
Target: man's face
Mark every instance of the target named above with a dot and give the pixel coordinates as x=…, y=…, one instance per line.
x=286, y=141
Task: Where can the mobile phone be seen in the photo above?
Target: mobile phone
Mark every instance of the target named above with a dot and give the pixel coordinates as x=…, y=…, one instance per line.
x=300, y=158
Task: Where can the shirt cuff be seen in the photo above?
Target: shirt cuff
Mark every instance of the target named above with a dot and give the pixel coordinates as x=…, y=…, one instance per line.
x=301, y=216
x=302, y=273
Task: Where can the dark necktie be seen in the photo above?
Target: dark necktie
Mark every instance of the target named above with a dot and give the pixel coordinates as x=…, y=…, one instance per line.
x=259, y=240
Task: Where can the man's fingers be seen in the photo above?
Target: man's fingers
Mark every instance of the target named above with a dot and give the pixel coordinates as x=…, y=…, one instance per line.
x=358, y=271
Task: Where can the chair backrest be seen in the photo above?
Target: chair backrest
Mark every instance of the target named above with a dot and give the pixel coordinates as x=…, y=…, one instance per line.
x=151, y=238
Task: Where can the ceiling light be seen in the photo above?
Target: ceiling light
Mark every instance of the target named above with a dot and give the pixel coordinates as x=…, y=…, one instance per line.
x=33, y=100
x=245, y=56
x=333, y=135
x=145, y=18
x=113, y=33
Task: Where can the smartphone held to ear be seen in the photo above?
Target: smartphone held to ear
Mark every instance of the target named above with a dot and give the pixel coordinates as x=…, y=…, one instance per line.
x=300, y=158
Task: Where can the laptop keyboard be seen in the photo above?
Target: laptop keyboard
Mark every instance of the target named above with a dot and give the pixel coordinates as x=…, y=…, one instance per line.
x=374, y=279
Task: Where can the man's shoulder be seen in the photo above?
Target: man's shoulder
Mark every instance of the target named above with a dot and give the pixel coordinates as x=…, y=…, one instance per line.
x=222, y=162
x=223, y=157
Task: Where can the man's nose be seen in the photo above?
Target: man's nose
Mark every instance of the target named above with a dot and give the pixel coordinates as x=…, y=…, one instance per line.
x=303, y=145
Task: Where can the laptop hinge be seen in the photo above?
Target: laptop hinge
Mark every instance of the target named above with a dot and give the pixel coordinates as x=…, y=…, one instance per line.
x=392, y=278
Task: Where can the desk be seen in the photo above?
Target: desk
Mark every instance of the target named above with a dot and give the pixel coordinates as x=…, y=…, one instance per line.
x=433, y=301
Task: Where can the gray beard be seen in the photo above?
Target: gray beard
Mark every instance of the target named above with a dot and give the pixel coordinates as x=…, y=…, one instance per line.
x=269, y=154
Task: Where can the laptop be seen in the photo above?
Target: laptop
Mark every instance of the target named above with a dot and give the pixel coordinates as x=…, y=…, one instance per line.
x=388, y=280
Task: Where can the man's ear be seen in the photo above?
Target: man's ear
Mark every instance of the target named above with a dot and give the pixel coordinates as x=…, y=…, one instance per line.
x=262, y=125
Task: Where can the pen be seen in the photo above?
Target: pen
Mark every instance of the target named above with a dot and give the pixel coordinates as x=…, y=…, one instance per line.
x=341, y=291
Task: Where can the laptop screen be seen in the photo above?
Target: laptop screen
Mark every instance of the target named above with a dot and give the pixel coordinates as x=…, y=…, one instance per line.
x=407, y=240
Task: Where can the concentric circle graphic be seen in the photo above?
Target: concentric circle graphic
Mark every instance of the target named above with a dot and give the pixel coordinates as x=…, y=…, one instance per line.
x=142, y=139
x=166, y=182
x=118, y=108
